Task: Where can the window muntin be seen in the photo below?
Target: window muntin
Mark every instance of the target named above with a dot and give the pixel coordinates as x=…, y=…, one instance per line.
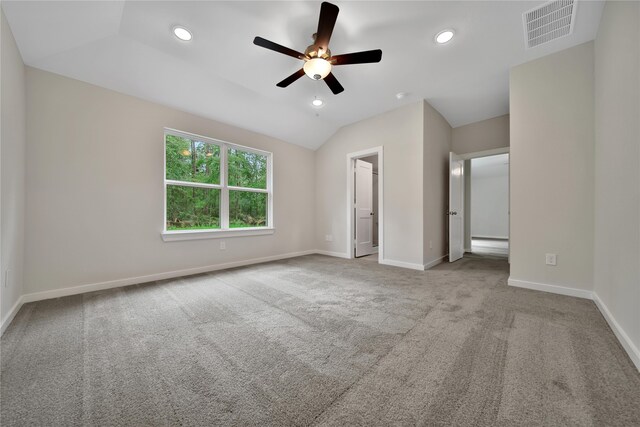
x=212, y=185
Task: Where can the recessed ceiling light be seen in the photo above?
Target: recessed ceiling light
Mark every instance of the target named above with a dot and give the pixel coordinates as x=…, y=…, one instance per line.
x=182, y=33
x=317, y=102
x=444, y=36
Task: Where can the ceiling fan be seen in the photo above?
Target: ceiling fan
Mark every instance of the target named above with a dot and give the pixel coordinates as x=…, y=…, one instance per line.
x=317, y=57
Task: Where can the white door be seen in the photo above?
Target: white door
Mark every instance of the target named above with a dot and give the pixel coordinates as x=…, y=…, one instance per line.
x=364, y=208
x=456, y=208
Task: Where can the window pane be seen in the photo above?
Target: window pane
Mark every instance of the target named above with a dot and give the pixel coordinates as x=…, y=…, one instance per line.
x=247, y=209
x=190, y=208
x=247, y=169
x=192, y=160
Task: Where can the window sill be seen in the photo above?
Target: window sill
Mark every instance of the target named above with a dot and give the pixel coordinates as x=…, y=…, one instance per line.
x=178, y=235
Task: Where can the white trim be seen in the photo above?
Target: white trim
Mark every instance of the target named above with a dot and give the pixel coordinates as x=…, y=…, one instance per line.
x=251, y=190
x=402, y=264
x=621, y=335
x=554, y=289
x=435, y=262
x=224, y=191
x=208, y=139
x=191, y=184
x=180, y=235
x=11, y=314
x=491, y=237
x=485, y=153
x=627, y=344
x=351, y=157
x=333, y=254
x=623, y=338
x=57, y=293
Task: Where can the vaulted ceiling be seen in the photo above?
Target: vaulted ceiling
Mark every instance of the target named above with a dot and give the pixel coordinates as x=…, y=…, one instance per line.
x=128, y=46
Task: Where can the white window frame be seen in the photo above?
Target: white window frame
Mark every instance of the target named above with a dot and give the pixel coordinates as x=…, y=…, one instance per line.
x=224, y=230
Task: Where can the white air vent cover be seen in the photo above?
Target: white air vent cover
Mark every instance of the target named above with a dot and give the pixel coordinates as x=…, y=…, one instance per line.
x=548, y=22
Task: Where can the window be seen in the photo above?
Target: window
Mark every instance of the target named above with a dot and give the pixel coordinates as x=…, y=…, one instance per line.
x=214, y=188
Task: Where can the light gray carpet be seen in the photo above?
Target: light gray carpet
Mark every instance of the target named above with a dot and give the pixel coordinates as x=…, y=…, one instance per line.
x=318, y=341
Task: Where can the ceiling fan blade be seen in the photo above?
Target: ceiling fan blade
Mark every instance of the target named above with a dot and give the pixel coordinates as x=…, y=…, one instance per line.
x=326, y=22
x=259, y=41
x=365, y=57
x=333, y=84
x=292, y=78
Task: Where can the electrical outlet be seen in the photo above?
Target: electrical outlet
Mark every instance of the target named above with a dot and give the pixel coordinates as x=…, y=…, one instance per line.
x=550, y=259
x=223, y=245
x=430, y=244
x=6, y=278
x=328, y=238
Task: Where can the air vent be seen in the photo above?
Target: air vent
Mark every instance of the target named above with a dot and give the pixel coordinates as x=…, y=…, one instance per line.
x=548, y=22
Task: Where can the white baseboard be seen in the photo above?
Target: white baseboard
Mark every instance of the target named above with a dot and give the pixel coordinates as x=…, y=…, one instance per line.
x=554, y=289
x=334, y=254
x=624, y=339
x=402, y=264
x=11, y=314
x=622, y=336
x=435, y=262
x=57, y=293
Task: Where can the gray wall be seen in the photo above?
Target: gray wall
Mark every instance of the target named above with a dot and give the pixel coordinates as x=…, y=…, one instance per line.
x=95, y=188
x=489, y=203
x=552, y=164
x=399, y=132
x=416, y=140
x=617, y=166
x=481, y=136
x=472, y=138
x=12, y=170
x=437, y=144
x=467, y=205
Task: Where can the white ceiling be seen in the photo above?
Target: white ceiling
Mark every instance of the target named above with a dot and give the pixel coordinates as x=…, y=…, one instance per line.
x=128, y=46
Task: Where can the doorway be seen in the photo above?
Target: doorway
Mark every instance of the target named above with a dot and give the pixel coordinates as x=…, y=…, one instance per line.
x=479, y=204
x=365, y=203
x=487, y=230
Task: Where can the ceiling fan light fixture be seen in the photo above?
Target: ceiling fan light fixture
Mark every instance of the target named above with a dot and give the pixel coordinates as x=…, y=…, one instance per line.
x=182, y=33
x=444, y=36
x=317, y=102
x=317, y=68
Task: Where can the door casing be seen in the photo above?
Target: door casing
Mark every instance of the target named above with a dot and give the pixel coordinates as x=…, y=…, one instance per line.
x=351, y=157
x=364, y=208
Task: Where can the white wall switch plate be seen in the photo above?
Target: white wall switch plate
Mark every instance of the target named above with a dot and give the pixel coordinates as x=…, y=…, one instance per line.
x=223, y=245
